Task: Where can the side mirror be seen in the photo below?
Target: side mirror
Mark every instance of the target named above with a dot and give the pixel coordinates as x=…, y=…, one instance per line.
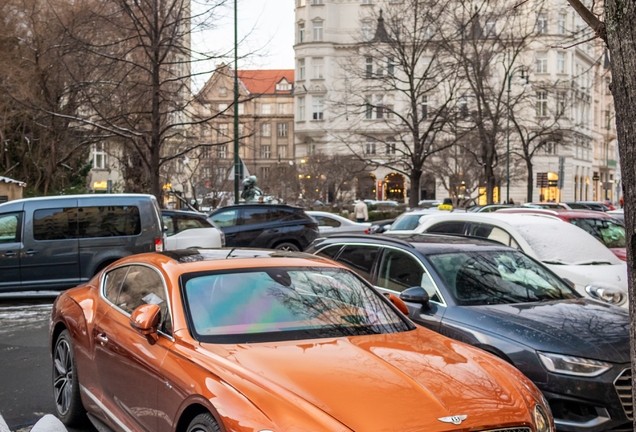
x=415, y=294
x=569, y=282
x=145, y=320
x=398, y=303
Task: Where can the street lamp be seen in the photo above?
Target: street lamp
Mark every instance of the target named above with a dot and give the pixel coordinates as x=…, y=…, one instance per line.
x=524, y=81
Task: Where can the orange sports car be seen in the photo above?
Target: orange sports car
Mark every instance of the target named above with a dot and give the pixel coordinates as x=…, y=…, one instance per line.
x=267, y=341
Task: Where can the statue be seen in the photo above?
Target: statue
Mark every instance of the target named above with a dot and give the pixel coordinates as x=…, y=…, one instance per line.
x=251, y=192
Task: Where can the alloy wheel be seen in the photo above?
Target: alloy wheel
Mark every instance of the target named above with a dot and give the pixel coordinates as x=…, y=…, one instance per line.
x=63, y=376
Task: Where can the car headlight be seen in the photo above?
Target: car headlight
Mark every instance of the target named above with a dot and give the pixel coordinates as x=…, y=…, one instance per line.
x=541, y=421
x=609, y=295
x=568, y=365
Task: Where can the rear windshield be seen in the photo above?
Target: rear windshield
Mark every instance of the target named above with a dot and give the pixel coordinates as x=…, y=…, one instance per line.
x=610, y=233
x=285, y=304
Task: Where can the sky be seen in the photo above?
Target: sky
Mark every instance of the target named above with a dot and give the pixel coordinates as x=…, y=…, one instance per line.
x=267, y=27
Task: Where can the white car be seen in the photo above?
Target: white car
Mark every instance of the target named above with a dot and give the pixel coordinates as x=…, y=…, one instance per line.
x=329, y=224
x=566, y=249
x=407, y=222
x=185, y=230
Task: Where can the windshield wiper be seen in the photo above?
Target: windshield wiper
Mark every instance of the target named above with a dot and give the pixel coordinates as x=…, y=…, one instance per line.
x=595, y=263
x=554, y=262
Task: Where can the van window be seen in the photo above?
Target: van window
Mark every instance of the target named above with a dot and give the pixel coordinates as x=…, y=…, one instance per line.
x=9, y=224
x=55, y=224
x=108, y=221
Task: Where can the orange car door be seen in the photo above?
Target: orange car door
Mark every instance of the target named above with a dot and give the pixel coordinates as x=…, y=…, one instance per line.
x=128, y=363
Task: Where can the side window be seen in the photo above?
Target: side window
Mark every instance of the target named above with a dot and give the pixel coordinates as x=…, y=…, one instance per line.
x=329, y=222
x=55, y=224
x=112, y=284
x=108, y=221
x=330, y=252
x=10, y=228
x=225, y=218
x=143, y=285
x=360, y=259
x=493, y=233
x=399, y=271
x=188, y=222
x=169, y=224
x=447, y=228
x=256, y=215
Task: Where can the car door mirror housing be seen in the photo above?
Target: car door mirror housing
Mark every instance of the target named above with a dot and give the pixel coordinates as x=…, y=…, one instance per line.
x=415, y=294
x=398, y=303
x=145, y=320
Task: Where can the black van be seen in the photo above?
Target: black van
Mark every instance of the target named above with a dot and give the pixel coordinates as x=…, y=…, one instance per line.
x=54, y=243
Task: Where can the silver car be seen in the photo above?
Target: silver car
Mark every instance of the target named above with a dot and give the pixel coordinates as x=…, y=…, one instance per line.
x=330, y=224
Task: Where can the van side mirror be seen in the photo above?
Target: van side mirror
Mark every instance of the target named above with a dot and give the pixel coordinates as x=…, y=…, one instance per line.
x=415, y=294
x=145, y=320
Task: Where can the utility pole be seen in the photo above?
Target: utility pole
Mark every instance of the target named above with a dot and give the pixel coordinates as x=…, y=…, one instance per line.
x=237, y=166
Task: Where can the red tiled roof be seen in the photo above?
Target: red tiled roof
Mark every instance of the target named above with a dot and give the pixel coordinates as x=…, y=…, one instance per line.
x=264, y=81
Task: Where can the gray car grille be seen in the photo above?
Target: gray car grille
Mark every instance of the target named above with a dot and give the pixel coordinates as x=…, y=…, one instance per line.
x=623, y=385
x=513, y=429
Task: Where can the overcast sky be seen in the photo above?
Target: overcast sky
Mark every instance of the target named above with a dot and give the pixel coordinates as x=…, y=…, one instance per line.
x=267, y=25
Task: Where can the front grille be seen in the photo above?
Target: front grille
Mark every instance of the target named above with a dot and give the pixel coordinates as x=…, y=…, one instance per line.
x=514, y=429
x=623, y=385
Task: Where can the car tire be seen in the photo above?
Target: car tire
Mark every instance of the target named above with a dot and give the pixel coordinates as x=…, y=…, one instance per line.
x=287, y=246
x=68, y=403
x=203, y=423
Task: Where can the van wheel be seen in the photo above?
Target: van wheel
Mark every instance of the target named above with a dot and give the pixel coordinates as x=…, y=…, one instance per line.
x=287, y=246
x=68, y=404
x=203, y=423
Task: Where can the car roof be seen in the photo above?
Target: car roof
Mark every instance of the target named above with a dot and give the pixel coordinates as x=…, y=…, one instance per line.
x=183, y=212
x=92, y=196
x=243, y=205
x=425, y=243
x=561, y=213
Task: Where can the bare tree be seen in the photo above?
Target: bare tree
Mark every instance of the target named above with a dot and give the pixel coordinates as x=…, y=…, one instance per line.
x=399, y=90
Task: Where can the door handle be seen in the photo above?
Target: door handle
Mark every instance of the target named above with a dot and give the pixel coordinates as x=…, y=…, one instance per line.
x=9, y=254
x=102, y=338
x=31, y=252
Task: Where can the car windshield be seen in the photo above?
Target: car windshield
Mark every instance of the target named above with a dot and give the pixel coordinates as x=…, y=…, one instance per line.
x=273, y=304
x=565, y=244
x=408, y=222
x=497, y=277
x=610, y=233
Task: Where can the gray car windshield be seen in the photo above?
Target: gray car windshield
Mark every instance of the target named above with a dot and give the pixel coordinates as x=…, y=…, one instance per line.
x=285, y=303
x=498, y=277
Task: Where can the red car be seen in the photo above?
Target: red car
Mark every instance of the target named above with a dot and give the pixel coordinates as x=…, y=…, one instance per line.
x=609, y=230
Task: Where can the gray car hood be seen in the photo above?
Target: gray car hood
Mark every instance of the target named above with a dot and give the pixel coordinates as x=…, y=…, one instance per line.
x=581, y=327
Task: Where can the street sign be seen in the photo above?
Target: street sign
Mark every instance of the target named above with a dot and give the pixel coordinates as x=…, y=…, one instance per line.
x=561, y=179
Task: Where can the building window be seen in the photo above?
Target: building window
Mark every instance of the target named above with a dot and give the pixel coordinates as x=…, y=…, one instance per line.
x=425, y=108
x=379, y=107
x=222, y=131
x=282, y=130
x=317, y=64
x=561, y=62
x=301, y=69
x=284, y=85
x=368, y=109
x=301, y=3
x=266, y=151
x=367, y=31
x=561, y=23
x=368, y=67
x=390, y=66
x=542, y=103
x=221, y=151
x=264, y=172
x=266, y=130
x=266, y=109
x=282, y=108
x=542, y=23
x=205, y=153
x=561, y=103
x=367, y=1
x=301, y=32
x=491, y=26
x=222, y=91
x=316, y=2
x=99, y=156
x=282, y=152
x=463, y=106
x=222, y=107
x=370, y=146
x=390, y=148
x=318, y=107
x=541, y=62
x=241, y=108
x=241, y=129
x=317, y=31
x=301, y=108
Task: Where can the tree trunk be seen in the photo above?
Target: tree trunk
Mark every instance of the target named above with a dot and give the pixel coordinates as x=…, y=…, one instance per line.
x=529, y=179
x=621, y=40
x=415, y=177
x=490, y=183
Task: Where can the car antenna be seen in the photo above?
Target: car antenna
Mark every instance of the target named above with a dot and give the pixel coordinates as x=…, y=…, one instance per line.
x=230, y=253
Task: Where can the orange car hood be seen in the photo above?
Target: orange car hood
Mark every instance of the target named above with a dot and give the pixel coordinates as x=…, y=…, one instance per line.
x=393, y=382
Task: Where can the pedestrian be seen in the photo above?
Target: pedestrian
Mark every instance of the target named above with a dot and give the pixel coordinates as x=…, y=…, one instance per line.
x=361, y=211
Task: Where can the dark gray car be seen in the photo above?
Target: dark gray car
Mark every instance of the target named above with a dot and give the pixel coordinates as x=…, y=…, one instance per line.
x=53, y=243
x=494, y=297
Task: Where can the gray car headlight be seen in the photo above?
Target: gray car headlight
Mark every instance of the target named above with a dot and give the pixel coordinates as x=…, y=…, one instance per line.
x=568, y=365
x=609, y=295
x=541, y=420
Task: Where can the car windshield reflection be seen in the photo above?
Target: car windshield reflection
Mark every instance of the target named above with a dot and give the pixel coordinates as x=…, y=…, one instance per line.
x=497, y=277
x=269, y=304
